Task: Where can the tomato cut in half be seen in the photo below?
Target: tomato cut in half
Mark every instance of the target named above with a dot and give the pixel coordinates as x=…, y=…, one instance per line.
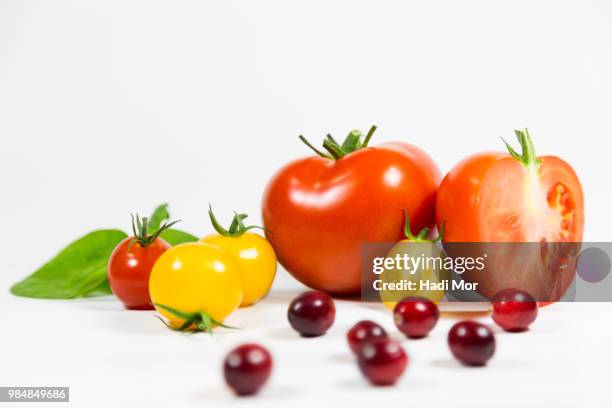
x=515, y=198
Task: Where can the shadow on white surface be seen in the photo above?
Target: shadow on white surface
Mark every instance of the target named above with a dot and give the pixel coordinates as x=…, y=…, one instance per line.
x=453, y=364
x=103, y=303
x=284, y=333
x=137, y=322
x=270, y=392
x=344, y=358
x=282, y=296
x=287, y=333
x=449, y=363
x=406, y=381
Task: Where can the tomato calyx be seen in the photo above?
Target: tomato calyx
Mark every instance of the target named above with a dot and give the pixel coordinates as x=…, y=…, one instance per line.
x=335, y=150
x=422, y=235
x=236, y=228
x=201, y=321
x=140, y=228
x=528, y=155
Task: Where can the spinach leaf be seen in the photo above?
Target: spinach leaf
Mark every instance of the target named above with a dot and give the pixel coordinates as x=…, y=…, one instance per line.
x=77, y=271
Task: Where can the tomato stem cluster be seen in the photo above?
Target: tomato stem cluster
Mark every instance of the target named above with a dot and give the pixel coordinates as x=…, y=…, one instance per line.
x=237, y=227
x=140, y=228
x=335, y=150
x=193, y=322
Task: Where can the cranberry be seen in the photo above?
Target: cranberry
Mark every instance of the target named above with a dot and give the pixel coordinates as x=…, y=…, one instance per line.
x=514, y=310
x=312, y=313
x=415, y=316
x=247, y=368
x=471, y=342
x=364, y=332
x=382, y=361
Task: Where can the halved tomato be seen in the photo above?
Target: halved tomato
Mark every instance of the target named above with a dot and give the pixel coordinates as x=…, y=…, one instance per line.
x=512, y=197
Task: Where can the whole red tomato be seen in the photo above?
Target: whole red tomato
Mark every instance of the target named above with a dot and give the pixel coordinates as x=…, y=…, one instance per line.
x=512, y=197
x=131, y=262
x=318, y=211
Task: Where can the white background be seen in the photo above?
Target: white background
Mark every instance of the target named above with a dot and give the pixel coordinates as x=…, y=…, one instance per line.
x=112, y=107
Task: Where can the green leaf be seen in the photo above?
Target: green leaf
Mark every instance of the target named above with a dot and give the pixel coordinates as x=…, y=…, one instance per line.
x=160, y=215
x=175, y=237
x=77, y=271
x=171, y=236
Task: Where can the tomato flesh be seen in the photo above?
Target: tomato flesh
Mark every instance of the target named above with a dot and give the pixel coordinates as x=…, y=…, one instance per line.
x=494, y=198
x=521, y=204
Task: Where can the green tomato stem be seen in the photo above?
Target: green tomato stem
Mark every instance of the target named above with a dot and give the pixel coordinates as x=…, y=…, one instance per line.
x=422, y=235
x=332, y=147
x=202, y=320
x=528, y=155
x=237, y=227
x=369, y=136
x=336, y=150
x=140, y=228
x=317, y=151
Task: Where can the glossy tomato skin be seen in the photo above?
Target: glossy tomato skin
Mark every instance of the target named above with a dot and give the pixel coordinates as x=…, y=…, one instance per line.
x=318, y=212
x=256, y=259
x=196, y=277
x=493, y=197
x=129, y=271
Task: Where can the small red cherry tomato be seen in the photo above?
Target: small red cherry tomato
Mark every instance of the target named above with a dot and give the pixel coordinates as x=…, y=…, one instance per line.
x=131, y=262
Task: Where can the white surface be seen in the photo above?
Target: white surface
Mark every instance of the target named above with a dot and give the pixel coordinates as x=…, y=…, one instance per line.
x=112, y=107
x=109, y=355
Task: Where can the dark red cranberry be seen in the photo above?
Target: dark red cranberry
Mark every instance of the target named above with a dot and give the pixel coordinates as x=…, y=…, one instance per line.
x=471, y=342
x=312, y=313
x=415, y=316
x=382, y=361
x=514, y=310
x=364, y=332
x=247, y=368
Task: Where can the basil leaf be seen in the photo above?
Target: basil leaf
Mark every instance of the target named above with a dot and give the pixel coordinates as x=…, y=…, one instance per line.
x=175, y=237
x=160, y=215
x=78, y=270
x=171, y=236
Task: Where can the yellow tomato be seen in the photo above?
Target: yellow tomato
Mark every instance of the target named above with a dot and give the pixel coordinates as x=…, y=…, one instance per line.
x=198, y=281
x=417, y=248
x=256, y=261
